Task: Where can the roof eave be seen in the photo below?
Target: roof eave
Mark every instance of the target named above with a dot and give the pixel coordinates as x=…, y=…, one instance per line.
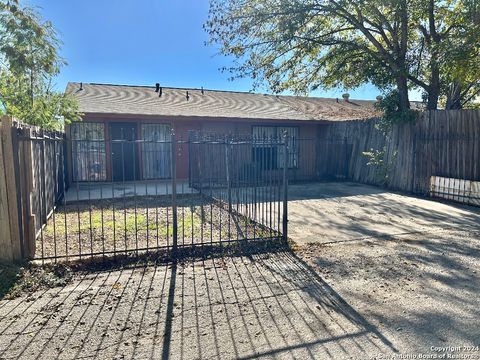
x=139, y=116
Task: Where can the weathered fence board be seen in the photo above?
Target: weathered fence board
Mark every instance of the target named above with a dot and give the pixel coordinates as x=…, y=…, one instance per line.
x=5, y=241
x=10, y=235
x=439, y=143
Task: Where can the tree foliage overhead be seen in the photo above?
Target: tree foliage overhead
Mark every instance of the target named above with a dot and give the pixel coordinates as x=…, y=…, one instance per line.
x=399, y=45
x=29, y=60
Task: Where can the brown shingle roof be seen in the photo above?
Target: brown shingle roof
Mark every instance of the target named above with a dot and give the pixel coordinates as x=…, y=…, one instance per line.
x=143, y=100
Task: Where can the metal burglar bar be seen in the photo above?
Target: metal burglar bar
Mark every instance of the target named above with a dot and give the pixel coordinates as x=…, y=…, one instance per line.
x=93, y=197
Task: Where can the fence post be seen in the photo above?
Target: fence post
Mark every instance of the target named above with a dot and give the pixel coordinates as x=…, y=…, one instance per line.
x=285, y=188
x=190, y=185
x=227, y=165
x=18, y=187
x=43, y=185
x=10, y=247
x=174, y=194
x=5, y=243
x=27, y=189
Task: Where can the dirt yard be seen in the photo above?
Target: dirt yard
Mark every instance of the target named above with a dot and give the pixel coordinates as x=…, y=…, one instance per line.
x=373, y=274
x=142, y=223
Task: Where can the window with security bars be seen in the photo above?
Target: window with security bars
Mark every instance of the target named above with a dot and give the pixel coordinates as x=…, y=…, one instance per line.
x=268, y=146
x=156, y=151
x=88, y=152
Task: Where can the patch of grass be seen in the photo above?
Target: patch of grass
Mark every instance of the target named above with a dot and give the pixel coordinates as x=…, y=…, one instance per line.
x=130, y=223
x=127, y=222
x=186, y=224
x=97, y=219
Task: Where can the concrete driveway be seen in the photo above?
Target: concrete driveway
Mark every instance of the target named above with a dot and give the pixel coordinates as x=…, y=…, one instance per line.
x=343, y=211
x=411, y=266
x=258, y=306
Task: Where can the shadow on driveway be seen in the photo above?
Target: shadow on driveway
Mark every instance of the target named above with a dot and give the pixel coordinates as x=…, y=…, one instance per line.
x=248, y=306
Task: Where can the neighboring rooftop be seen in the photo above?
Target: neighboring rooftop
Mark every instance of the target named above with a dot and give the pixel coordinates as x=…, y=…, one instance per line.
x=144, y=100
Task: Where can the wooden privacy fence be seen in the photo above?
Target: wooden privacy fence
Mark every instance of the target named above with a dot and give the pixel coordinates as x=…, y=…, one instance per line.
x=438, y=144
x=31, y=180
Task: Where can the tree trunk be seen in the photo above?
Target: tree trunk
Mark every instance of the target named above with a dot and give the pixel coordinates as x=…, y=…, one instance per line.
x=454, y=96
x=402, y=88
x=434, y=89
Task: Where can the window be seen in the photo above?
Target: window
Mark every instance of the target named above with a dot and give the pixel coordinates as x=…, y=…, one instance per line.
x=88, y=152
x=268, y=150
x=156, y=151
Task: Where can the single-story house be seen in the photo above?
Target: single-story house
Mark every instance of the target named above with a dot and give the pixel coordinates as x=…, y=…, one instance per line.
x=121, y=112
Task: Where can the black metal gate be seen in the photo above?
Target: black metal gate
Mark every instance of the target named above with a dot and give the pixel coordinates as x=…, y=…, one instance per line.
x=245, y=176
x=220, y=191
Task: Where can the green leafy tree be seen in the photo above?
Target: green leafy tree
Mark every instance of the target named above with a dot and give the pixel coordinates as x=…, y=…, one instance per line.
x=398, y=45
x=461, y=68
x=30, y=60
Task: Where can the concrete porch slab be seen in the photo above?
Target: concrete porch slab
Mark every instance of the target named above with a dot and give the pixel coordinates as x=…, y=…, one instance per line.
x=108, y=190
